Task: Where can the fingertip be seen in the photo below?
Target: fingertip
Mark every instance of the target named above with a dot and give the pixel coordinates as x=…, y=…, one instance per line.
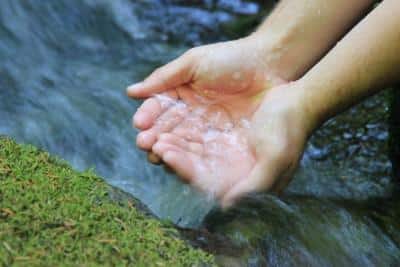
x=229, y=199
x=134, y=90
x=147, y=114
x=226, y=204
x=145, y=140
x=139, y=121
x=153, y=158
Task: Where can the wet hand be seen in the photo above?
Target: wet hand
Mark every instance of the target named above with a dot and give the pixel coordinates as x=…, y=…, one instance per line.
x=277, y=136
x=208, y=149
x=229, y=158
x=232, y=74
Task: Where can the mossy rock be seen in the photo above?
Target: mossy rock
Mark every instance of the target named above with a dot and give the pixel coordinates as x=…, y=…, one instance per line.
x=52, y=215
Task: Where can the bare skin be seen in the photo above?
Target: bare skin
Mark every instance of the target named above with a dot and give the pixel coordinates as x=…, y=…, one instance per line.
x=212, y=72
x=328, y=88
x=281, y=118
x=234, y=72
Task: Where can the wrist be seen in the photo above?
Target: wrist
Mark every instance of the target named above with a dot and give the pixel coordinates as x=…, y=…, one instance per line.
x=290, y=102
x=312, y=104
x=279, y=53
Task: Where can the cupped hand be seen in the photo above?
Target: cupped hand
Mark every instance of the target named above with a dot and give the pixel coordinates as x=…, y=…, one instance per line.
x=209, y=148
x=212, y=116
x=232, y=75
x=228, y=157
x=278, y=132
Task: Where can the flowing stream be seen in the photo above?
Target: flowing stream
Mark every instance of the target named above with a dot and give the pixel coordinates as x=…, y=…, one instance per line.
x=64, y=66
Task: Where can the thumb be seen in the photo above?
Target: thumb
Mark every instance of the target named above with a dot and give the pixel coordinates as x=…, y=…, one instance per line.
x=167, y=77
x=260, y=179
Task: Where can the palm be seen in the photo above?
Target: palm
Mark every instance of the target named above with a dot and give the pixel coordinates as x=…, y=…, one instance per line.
x=208, y=148
x=229, y=157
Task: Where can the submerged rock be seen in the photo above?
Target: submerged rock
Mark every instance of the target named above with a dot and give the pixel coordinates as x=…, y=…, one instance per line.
x=304, y=231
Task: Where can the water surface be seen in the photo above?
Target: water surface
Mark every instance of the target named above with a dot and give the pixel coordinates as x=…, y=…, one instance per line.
x=64, y=66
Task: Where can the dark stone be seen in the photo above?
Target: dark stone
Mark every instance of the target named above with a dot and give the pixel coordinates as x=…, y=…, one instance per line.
x=394, y=122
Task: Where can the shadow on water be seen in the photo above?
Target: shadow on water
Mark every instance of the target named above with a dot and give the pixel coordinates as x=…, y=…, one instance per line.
x=63, y=69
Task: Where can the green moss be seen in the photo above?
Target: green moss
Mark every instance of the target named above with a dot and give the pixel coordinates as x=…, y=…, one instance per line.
x=51, y=215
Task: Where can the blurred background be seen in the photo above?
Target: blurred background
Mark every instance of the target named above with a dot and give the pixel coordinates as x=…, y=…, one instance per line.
x=64, y=67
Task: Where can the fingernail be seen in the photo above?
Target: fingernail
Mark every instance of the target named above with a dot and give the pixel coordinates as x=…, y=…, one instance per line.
x=133, y=88
x=145, y=140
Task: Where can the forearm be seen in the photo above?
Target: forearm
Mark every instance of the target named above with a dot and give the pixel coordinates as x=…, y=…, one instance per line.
x=364, y=62
x=298, y=33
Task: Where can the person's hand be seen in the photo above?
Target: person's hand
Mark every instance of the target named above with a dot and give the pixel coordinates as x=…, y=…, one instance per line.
x=207, y=123
x=233, y=75
x=277, y=136
x=230, y=158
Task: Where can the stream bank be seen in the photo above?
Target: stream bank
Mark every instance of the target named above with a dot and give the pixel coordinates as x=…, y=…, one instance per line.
x=51, y=215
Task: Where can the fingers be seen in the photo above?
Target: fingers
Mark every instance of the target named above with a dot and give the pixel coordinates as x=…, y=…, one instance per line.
x=177, y=141
x=147, y=114
x=192, y=129
x=152, y=108
x=177, y=159
x=174, y=74
x=179, y=154
x=165, y=123
x=181, y=163
x=153, y=158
